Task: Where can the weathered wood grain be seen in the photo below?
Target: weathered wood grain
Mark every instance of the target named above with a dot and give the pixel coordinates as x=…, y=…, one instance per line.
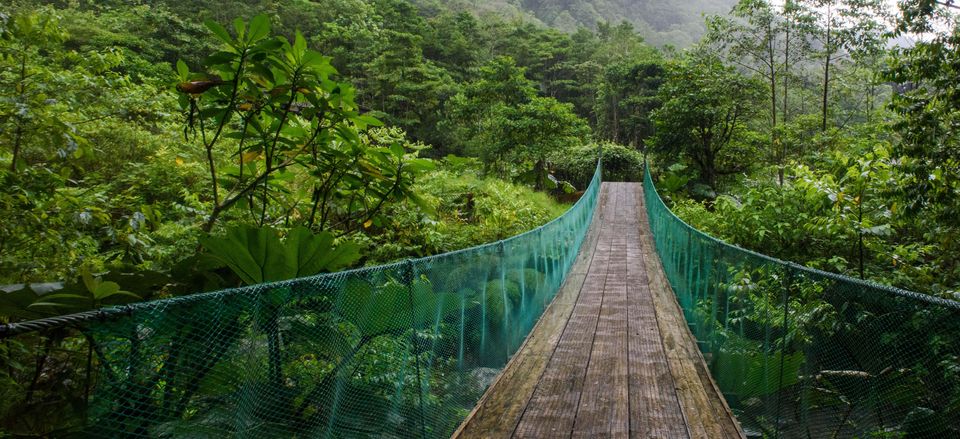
x=654, y=406
x=499, y=410
x=612, y=355
x=706, y=413
x=603, y=410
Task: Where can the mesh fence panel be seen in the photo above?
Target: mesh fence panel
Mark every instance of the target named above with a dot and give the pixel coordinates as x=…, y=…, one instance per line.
x=799, y=352
x=403, y=350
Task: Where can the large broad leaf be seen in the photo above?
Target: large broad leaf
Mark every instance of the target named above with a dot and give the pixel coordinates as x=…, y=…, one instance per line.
x=316, y=253
x=248, y=251
x=257, y=254
x=101, y=290
x=91, y=292
x=393, y=307
x=219, y=31
x=259, y=28
x=15, y=300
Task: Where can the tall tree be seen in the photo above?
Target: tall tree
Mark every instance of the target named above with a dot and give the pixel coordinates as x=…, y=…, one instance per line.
x=473, y=113
x=277, y=105
x=500, y=118
x=928, y=106
x=406, y=89
x=759, y=39
x=540, y=129
x=626, y=95
x=705, y=105
x=845, y=28
x=452, y=41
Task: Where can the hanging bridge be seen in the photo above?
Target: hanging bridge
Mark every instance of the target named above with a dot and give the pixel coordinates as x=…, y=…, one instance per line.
x=611, y=356
x=614, y=320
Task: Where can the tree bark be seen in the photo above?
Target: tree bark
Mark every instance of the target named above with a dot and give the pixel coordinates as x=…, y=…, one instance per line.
x=786, y=70
x=826, y=70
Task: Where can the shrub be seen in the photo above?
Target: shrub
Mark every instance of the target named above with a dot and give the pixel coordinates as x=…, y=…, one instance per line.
x=620, y=163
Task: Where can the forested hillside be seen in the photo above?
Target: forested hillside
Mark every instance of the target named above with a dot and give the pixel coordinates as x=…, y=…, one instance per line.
x=660, y=22
x=133, y=129
x=157, y=149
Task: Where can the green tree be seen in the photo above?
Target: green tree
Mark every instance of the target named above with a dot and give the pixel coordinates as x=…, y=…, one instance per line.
x=31, y=115
x=452, y=41
x=704, y=108
x=72, y=123
x=845, y=28
x=626, y=97
x=500, y=118
x=291, y=119
x=769, y=43
x=927, y=108
x=540, y=129
x=927, y=104
x=474, y=113
x=405, y=88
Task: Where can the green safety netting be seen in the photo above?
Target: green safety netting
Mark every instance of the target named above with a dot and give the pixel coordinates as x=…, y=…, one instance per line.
x=402, y=350
x=799, y=352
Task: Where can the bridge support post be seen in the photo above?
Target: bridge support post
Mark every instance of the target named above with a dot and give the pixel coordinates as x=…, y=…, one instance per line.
x=787, y=286
x=408, y=275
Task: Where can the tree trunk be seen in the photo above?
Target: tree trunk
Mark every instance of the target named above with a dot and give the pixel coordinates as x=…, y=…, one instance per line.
x=538, y=168
x=710, y=168
x=860, y=231
x=774, y=137
x=616, y=120
x=826, y=88
x=786, y=70
x=773, y=80
x=828, y=53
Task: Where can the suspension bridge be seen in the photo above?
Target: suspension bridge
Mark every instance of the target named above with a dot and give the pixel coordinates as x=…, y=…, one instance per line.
x=614, y=320
x=611, y=356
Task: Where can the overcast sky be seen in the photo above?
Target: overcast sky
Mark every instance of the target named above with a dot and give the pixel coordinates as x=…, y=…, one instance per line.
x=894, y=12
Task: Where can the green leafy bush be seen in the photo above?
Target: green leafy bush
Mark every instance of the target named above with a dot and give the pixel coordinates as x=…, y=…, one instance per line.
x=469, y=210
x=620, y=163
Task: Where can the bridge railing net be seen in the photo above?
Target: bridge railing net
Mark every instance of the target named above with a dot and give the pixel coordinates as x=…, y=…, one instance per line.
x=799, y=352
x=403, y=350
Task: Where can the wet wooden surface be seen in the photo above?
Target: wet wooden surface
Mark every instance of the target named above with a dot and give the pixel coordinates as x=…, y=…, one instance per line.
x=612, y=355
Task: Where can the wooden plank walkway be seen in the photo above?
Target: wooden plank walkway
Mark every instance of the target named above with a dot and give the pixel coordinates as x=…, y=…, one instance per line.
x=612, y=355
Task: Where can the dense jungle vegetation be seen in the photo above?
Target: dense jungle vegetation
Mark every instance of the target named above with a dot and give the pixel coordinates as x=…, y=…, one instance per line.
x=144, y=145
x=132, y=132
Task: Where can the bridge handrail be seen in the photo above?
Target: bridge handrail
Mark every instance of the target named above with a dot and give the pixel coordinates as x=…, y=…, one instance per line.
x=835, y=276
x=11, y=329
x=401, y=349
x=800, y=352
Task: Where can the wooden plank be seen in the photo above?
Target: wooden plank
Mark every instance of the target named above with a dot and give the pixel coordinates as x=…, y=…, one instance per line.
x=612, y=355
x=603, y=410
x=654, y=406
x=705, y=411
x=499, y=409
x=554, y=402
x=550, y=412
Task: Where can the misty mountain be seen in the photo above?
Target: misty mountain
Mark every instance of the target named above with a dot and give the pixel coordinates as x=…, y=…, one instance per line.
x=661, y=22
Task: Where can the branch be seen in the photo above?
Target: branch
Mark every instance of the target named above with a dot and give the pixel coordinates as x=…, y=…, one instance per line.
x=947, y=3
x=228, y=110
x=230, y=201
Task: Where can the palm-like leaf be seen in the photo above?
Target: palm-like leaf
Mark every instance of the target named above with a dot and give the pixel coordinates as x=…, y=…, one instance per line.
x=257, y=254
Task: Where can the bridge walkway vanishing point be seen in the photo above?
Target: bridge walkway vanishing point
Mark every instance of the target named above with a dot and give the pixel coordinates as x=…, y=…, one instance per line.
x=612, y=355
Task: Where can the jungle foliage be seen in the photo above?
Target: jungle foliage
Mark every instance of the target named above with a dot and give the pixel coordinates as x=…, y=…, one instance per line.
x=160, y=149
